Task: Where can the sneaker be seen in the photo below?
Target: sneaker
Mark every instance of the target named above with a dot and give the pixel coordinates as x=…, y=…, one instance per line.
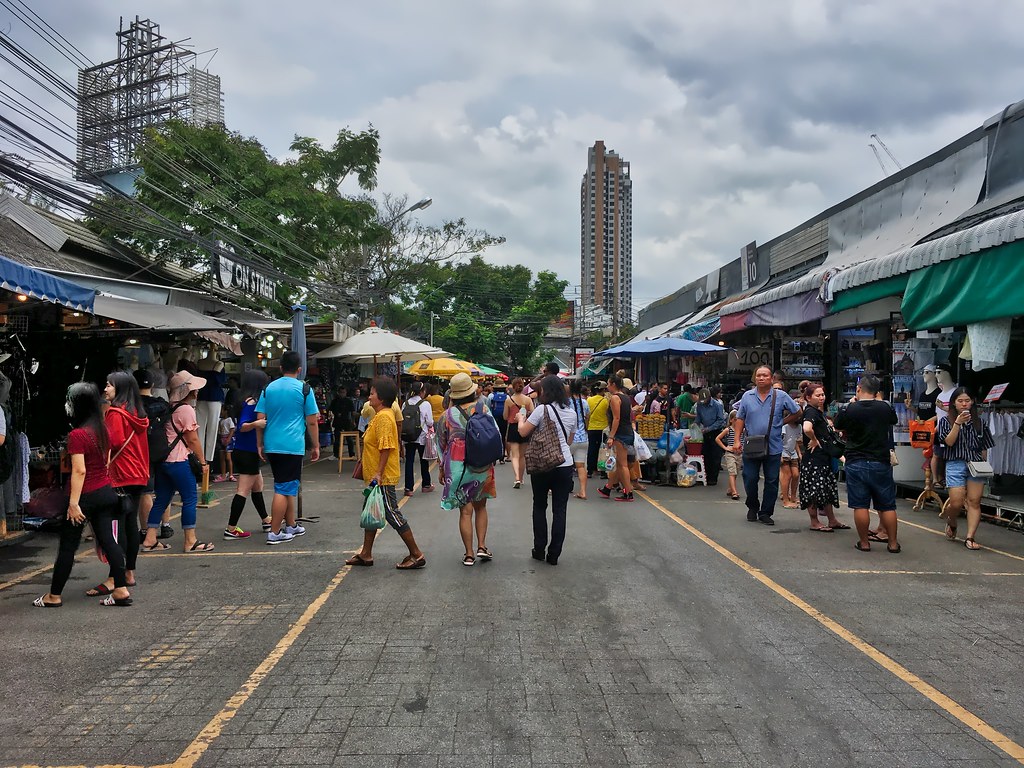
x=483, y=553
x=409, y=493
x=236, y=533
x=624, y=497
x=279, y=538
x=165, y=531
x=427, y=489
x=267, y=527
x=517, y=484
x=233, y=478
x=220, y=479
x=605, y=491
x=294, y=530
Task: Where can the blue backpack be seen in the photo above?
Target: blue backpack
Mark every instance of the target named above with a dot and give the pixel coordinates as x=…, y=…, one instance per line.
x=484, y=445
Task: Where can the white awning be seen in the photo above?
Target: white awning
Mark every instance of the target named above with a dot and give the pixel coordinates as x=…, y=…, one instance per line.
x=157, y=317
x=657, y=331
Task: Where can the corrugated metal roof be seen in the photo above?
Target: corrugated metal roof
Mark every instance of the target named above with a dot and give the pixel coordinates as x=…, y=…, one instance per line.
x=997, y=231
x=800, y=280
x=29, y=220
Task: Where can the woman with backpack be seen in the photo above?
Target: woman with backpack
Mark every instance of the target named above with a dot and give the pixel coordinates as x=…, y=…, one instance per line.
x=246, y=457
x=466, y=487
x=91, y=498
x=556, y=417
x=417, y=418
x=127, y=426
x=515, y=403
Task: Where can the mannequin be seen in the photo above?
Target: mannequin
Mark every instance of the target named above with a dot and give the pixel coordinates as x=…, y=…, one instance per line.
x=210, y=400
x=944, y=380
x=924, y=408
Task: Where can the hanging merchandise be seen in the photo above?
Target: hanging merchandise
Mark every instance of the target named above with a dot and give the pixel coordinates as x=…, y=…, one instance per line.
x=987, y=343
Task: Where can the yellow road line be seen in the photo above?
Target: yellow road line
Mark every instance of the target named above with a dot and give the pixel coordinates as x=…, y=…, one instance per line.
x=972, y=721
x=943, y=533
x=194, y=751
x=89, y=550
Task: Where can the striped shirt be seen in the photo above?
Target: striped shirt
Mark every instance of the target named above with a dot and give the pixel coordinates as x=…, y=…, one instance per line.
x=969, y=444
x=730, y=439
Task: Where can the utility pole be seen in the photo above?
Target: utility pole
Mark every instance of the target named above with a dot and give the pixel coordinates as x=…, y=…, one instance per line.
x=432, y=316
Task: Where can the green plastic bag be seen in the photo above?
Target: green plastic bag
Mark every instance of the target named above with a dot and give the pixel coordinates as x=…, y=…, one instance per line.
x=373, y=517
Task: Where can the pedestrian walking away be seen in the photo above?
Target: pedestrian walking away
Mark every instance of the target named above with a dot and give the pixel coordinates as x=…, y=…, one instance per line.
x=967, y=440
x=620, y=441
x=760, y=416
x=127, y=424
x=247, y=458
x=819, y=489
x=515, y=403
x=711, y=420
x=381, y=468
x=174, y=473
x=867, y=424
x=465, y=486
x=580, y=440
x=555, y=409
x=289, y=410
x=417, y=426
x=158, y=410
x=91, y=498
x=596, y=426
x=342, y=413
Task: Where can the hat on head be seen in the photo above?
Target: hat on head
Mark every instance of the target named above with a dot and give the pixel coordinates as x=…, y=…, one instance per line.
x=461, y=386
x=928, y=369
x=183, y=379
x=943, y=367
x=627, y=384
x=143, y=378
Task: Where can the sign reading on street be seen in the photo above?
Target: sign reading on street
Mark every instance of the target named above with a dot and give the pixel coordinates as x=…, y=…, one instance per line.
x=582, y=356
x=749, y=359
x=242, y=277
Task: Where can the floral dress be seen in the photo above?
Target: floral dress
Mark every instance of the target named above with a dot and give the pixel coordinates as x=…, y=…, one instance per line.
x=462, y=484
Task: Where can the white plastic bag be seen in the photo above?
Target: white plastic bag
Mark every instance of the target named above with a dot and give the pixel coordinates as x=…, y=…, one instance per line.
x=643, y=450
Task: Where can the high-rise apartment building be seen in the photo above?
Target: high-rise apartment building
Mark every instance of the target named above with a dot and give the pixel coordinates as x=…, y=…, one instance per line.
x=606, y=228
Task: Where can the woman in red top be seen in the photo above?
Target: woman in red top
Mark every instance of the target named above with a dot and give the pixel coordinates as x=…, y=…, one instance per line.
x=127, y=425
x=91, y=497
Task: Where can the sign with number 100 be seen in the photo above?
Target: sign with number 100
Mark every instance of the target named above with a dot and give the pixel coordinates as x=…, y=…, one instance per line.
x=744, y=359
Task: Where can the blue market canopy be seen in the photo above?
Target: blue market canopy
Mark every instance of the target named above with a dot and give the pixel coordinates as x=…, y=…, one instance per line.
x=27, y=281
x=663, y=346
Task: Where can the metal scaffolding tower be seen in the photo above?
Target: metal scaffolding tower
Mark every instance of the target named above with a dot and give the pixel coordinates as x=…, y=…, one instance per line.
x=151, y=81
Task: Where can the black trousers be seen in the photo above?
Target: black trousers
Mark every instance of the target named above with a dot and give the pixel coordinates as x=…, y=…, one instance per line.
x=411, y=449
x=712, y=456
x=128, y=498
x=559, y=482
x=350, y=442
x=102, y=508
x=594, y=442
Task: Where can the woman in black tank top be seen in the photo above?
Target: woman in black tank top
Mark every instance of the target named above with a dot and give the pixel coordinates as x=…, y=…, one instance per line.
x=621, y=428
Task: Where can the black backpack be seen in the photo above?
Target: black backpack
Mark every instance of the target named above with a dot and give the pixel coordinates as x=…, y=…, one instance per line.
x=412, y=422
x=159, y=412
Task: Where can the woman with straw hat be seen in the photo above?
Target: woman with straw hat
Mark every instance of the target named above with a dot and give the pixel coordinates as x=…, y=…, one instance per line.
x=465, y=488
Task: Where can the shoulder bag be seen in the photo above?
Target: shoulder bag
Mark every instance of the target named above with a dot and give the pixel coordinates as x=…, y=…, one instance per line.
x=980, y=469
x=544, y=451
x=756, y=446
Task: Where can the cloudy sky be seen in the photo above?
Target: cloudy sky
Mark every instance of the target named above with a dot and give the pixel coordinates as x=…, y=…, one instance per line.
x=741, y=119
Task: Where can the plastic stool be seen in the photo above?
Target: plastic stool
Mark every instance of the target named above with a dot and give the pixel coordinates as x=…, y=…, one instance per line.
x=702, y=475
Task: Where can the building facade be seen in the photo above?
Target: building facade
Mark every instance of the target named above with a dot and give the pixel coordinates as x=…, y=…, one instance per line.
x=606, y=234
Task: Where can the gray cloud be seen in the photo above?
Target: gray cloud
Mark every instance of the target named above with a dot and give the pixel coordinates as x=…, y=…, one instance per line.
x=740, y=119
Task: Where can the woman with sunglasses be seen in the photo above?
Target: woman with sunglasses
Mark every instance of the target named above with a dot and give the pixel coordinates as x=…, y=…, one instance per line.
x=92, y=498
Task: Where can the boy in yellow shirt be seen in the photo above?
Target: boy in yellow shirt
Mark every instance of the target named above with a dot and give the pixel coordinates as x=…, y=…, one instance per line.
x=381, y=467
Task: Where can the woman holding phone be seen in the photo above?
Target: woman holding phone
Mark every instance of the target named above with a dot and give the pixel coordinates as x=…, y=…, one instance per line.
x=967, y=439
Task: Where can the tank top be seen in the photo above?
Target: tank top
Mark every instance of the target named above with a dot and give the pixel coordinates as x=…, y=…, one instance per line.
x=625, y=420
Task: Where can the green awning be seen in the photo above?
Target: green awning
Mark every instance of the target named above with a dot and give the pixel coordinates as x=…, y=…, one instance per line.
x=864, y=294
x=971, y=289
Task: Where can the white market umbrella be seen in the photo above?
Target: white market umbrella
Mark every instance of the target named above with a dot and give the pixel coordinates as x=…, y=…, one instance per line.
x=373, y=344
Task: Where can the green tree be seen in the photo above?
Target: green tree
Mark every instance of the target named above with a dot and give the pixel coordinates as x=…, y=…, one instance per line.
x=491, y=314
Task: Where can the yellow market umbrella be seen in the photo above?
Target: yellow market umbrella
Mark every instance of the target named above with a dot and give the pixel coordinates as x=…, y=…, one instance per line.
x=443, y=368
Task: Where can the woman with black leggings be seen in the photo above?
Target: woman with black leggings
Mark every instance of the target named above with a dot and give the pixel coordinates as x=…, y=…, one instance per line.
x=92, y=498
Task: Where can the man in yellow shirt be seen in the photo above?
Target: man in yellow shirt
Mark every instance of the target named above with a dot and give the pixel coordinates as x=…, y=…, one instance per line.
x=596, y=425
x=381, y=467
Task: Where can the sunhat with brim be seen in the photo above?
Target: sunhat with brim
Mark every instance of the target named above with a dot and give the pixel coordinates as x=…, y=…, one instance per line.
x=461, y=385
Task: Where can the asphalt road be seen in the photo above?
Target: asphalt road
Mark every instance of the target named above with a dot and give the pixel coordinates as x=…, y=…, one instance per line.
x=672, y=632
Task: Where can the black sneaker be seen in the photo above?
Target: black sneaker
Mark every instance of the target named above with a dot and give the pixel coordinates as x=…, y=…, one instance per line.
x=605, y=491
x=751, y=518
x=624, y=497
x=767, y=520
x=165, y=532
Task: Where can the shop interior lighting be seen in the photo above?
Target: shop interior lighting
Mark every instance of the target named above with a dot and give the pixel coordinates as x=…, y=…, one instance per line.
x=270, y=337
x=22, y=297
x=133, y=341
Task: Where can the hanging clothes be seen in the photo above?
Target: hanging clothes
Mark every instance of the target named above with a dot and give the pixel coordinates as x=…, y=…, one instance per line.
x=1007, y=455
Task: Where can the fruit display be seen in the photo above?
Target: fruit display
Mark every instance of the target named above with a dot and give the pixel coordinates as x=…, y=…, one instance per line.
x=650, y=426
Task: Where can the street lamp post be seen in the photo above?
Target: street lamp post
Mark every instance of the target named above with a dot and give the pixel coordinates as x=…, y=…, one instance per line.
x=432, y=316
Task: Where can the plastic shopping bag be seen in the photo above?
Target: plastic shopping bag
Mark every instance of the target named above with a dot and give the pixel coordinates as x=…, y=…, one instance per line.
x=602, y=459
x=643, y=450
x=430, y=449
x=373, y=509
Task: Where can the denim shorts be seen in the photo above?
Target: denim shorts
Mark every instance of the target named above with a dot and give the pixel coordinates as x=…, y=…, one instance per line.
x=957, y=475
x=869, y=485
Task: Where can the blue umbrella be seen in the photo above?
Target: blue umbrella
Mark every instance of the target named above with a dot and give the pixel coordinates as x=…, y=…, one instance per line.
x=299, y=335
x=662, y=346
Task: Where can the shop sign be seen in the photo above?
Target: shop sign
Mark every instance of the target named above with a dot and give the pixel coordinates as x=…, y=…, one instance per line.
x=242, y=277
x=749, y=359
x=581, y=356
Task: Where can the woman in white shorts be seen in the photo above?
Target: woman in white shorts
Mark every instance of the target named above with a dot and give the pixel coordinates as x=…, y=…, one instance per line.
x=581, y=441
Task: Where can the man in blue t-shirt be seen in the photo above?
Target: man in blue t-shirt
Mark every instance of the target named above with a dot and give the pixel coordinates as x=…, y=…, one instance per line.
x=291, y=411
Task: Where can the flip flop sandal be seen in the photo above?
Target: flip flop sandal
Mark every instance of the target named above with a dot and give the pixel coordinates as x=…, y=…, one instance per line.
x=859, y=548
x=891, y=551
x=839, y=526
x=158, y=547
x=823, y=529
x=972, y=545
x=466, y=561
x=115, y=602
x=484, y=553
x=873, y=536
x=39, y=602
x=199, y=547
x=357, y=560
x=409, y=564
x=99, y=590
x=950, y=532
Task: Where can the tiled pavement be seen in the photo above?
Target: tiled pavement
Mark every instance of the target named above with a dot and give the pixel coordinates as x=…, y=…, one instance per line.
x=643, y=647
